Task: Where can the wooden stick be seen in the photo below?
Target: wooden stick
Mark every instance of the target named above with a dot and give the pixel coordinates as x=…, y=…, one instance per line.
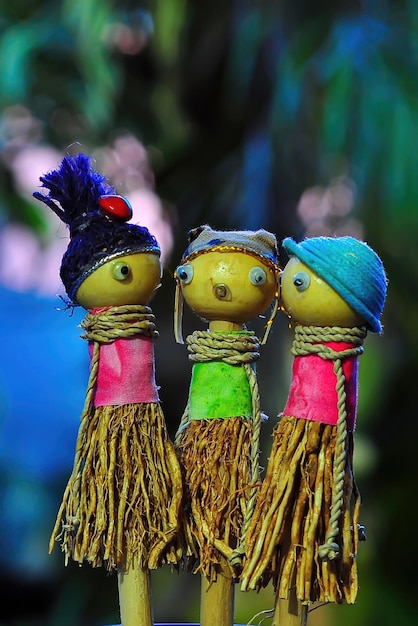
x=135, y=597
x=217, y=601
x=290, y=612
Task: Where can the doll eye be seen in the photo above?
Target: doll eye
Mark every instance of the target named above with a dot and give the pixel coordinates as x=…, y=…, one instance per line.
x=257, y=276
x=121, y=270
x=301, y=280
x=185, y=273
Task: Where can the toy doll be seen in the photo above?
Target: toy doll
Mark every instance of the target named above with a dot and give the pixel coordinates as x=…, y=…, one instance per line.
x=121, y=505
x=304, y=531
x=226, y=278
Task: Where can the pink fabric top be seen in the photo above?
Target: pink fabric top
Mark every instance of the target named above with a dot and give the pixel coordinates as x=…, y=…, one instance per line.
x=126, y=373
x=312, y=394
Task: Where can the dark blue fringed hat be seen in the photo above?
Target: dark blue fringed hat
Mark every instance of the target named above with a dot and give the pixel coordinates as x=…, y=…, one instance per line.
x=96, y=217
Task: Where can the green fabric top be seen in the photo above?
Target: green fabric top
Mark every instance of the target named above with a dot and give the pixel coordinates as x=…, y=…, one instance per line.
x=218, y=389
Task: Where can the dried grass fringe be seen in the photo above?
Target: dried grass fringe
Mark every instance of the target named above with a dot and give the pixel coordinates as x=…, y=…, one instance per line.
x=292, y=515
x=216, y=459
x=122, y=501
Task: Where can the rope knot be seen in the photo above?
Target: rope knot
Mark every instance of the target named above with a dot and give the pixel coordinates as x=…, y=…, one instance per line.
x=236, y=558
x=329, y=551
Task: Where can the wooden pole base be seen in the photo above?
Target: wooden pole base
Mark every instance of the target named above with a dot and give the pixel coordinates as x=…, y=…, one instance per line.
x=135, y=597
x=290, y=612
x=217, y=602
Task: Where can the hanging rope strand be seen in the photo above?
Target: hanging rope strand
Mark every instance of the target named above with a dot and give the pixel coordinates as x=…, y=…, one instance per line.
x=238, y=554
x=310, y=340
x=233, y=349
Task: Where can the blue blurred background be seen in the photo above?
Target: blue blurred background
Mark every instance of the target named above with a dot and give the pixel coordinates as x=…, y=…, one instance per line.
x=299, y=117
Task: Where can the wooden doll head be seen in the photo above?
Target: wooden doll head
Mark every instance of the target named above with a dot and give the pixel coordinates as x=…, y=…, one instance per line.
x=229, y=276
x=310, y=301
x=128, y=279
x=333, y=282
x=229, y=285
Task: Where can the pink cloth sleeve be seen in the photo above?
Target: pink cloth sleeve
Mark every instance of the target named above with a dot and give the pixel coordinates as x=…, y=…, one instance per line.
x=312, y=393
x=126, y=373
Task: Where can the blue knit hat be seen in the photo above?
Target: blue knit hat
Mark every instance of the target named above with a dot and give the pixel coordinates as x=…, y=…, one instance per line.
x=351, y=268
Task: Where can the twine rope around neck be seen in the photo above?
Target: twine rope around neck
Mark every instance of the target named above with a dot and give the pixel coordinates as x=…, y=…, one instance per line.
x=108, y=324
x=310, y=340
x=234, y=349
x=231, y=348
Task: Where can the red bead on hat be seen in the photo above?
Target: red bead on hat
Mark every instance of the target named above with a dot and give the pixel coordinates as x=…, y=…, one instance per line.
x=116, y=207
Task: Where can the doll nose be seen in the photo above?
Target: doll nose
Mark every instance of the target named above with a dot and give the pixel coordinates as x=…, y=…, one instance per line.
x=222, y=292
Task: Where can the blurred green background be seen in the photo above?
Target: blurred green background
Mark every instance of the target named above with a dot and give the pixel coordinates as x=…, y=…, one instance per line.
x=299, y=117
